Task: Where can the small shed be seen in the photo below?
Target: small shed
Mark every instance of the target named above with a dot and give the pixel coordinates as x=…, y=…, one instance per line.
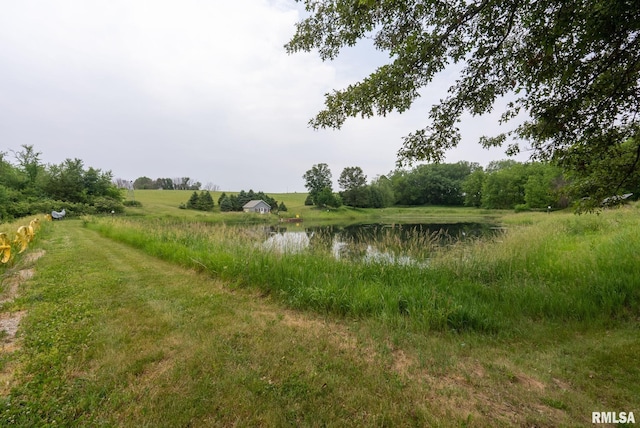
x=257, y=206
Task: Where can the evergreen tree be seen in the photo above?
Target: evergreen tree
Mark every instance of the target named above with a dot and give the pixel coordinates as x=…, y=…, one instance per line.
x=193, y=201
x=205, y=201
x=226, y=204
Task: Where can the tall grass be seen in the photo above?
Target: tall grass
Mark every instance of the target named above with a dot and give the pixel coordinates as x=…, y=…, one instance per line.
x=543, y=268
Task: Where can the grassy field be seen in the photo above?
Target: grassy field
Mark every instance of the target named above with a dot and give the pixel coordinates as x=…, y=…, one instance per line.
x=162, y=203
x=169, y=318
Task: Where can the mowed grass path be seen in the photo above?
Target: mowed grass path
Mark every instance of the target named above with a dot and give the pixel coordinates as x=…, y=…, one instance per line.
x=113, y=337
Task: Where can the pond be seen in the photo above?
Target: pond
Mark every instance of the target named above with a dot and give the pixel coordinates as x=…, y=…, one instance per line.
x=378, y=243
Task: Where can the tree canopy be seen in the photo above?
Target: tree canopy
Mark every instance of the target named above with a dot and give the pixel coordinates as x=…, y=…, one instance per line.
x=316, y=180
x=30, y=187
x=572, y=66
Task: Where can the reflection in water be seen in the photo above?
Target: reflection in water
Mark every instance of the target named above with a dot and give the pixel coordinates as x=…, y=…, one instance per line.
x=287, y=242
x=370, y=254
x=403, y=244
x=375, y=256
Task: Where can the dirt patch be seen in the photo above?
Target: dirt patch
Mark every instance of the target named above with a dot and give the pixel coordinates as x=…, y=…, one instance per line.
x=33, y=256
x=8, y=329
x=529, y=382
x=10, y=286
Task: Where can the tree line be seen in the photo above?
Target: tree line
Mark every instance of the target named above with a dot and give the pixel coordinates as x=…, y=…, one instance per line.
x=27, y=186
x=504, y=184
x=176, y=183
x=203, y=201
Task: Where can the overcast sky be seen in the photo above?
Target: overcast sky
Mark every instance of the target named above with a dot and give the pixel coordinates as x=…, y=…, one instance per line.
x=192, y=88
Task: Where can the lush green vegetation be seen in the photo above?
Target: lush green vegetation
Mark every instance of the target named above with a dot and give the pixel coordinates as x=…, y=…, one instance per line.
x=505, y=184
x=550, y=270
x=535, y=327
x=29, y=187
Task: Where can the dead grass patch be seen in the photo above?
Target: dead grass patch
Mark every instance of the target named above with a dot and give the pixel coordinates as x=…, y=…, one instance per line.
x=474, y=388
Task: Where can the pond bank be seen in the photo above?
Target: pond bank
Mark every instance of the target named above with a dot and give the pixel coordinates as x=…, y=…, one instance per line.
x=126, y=339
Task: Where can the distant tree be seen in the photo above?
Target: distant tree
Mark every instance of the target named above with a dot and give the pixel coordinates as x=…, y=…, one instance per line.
x=66, y=181
x=144, y=183
x=235, y=202
x=317, y=179
x=205, y=201
x=282, y=207
x=29, y=163
x=353, y=183
x=200, y=201
x=226, y=204
x=193, y=201
x=352, y=178
x=472, y=188
x=436, y=184
x=164, y=184
x=5, y=200
x=539, y=192
x=185, y=183
x=176, y=183
x=359, y=197
x=308, y=200
x=97, y=182
x=10, y=176
x=405, y=187
x=504, y=188
x=244, y=197
x=533, y=185
x=326, y=198
x=382, y=194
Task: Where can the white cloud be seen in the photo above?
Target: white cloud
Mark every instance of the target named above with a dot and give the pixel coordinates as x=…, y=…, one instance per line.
x=193, y=88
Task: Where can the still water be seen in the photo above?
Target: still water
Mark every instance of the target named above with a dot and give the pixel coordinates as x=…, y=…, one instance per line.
x=374, y=243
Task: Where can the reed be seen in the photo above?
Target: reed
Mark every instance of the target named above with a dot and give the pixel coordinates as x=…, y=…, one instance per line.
x=542, y=268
